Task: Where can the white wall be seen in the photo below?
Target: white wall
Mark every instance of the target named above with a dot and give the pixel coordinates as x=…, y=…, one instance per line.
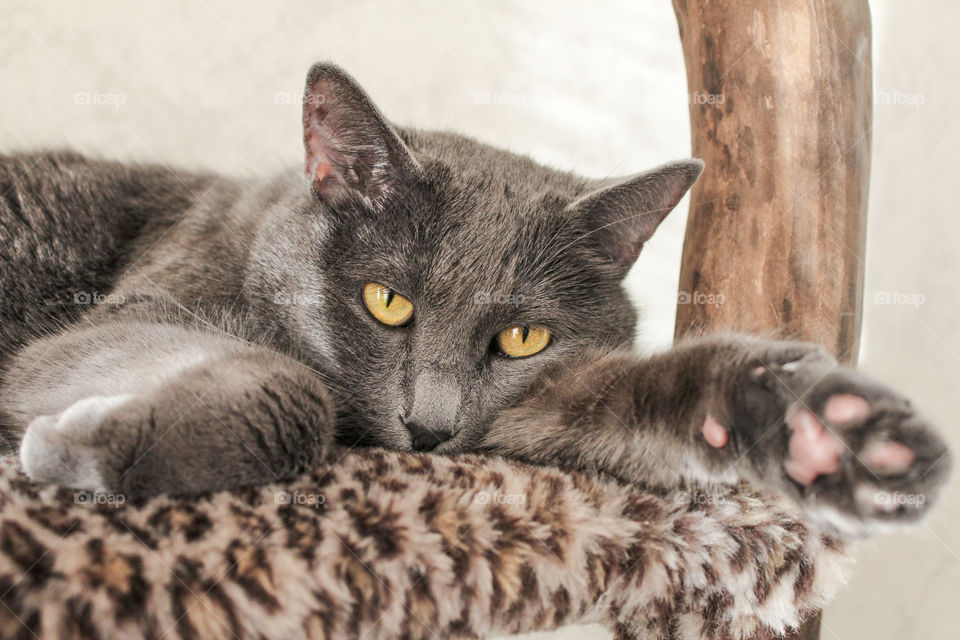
x=595, y=87
x=907, y=586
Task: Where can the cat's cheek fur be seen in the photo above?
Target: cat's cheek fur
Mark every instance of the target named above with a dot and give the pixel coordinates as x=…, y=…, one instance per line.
x=284, y=283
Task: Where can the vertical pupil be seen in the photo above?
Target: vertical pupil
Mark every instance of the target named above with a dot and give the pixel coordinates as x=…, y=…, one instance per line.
x=526, y=332
x=389, y=297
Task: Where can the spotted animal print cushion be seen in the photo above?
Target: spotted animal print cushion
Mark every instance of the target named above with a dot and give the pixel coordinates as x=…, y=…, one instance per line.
x=399, y=545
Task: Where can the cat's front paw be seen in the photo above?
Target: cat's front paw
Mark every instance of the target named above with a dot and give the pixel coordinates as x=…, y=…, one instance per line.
x=854, y=454
x=70, y=448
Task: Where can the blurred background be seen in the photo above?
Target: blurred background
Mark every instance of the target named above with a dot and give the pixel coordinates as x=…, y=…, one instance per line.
x=599, y=89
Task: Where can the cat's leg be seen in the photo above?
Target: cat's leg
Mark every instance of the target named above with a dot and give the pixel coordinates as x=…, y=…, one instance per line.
x=853, y=453
x=144, y=408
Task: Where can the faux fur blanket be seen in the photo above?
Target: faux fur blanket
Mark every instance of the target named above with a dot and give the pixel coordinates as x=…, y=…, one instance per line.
x=399, y=545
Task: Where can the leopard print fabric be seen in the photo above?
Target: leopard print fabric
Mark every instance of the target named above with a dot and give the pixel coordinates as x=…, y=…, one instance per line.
x=400, y=545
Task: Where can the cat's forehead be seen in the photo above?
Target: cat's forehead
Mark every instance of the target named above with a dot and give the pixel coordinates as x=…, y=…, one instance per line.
x=469, y=251
x=475, y=168
x=480, y=224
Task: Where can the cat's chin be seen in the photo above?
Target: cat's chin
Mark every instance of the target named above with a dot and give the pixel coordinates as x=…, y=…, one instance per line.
x=358, y=432
x=461, y=442
x=365, y=434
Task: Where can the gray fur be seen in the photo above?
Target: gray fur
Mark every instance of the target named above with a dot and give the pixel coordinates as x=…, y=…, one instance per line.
x=233, y=346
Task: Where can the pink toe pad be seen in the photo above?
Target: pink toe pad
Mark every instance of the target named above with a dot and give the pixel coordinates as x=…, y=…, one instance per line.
x=714, y=433
x=888, y=456
x=846, y=407
x=813, y=449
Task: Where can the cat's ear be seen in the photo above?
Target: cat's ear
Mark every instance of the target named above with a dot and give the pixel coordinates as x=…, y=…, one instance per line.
x=622, y=214
x=351, y=150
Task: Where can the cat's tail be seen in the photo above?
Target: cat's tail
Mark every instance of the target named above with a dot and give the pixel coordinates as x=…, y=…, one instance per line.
x=68, y=225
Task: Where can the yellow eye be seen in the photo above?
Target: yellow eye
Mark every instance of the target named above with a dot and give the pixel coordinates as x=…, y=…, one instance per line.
x=518, y=342
x=386, y=305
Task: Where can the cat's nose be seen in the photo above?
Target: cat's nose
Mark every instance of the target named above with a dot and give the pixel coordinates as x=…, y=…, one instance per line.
x=426, y=439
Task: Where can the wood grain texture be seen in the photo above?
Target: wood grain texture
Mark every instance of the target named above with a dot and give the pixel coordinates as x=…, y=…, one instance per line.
x=781, y=112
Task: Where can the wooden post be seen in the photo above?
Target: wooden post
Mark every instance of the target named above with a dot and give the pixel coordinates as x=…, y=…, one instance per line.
x=780, y=111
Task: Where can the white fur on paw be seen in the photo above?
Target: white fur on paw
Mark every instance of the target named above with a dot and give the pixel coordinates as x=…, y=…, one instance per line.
x=56, y=448
x=83, y=416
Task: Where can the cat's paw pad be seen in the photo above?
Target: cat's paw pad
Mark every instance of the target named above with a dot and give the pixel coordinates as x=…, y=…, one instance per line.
x=854, y=454
x=817, y=449
x=66, y=448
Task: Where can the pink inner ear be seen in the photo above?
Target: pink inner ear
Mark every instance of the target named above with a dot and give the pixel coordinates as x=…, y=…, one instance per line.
x=319, y=168
x=322, y=170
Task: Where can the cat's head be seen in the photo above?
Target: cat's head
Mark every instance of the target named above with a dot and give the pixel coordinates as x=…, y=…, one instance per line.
x=431, y=276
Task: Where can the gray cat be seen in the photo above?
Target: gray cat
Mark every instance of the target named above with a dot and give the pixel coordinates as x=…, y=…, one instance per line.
x=175, y=332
